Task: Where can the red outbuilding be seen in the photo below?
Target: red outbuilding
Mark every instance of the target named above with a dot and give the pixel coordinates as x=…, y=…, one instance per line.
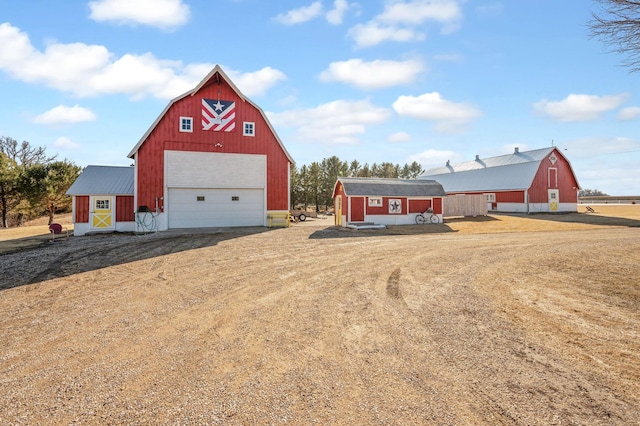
x=211, y=159
x=540, y=180
x=385, y=201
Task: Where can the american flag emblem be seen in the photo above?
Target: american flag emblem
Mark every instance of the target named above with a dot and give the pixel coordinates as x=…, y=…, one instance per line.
x=218, y=115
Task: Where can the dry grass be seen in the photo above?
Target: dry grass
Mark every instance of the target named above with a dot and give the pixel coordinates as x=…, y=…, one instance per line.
x=505, y=320
x=31, y=234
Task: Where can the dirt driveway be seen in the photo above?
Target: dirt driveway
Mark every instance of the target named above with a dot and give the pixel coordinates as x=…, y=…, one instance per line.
x=317, y=325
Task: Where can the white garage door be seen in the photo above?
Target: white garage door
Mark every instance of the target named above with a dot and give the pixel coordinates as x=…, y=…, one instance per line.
x=204, y=208
x=208, y=189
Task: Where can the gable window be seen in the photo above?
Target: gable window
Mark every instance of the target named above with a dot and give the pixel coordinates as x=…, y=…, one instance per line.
x=186, y=124
x=248, y=128
x=490, y=197
x=375, y=201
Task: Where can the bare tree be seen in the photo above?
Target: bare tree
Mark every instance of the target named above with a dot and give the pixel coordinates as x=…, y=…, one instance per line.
x=617, y=24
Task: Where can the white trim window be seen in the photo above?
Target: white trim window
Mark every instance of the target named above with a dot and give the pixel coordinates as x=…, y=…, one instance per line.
x=490, y=197
x=248, y=128
x=186, y=124
x=375, y=201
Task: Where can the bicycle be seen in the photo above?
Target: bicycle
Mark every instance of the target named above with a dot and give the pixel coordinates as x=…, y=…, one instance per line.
x=427, y=216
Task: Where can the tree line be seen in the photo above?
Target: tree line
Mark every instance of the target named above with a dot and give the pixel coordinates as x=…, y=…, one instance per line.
x=32, y=183
x=312, y=185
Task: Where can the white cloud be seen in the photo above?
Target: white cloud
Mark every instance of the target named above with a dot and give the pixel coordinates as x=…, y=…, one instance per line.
x=373, y=75
x=579, y=107
x=604, y=163
x=65, y=143
x=433, y=158
x=335, y=15
x=65, y=115
x=338, y=122
x=373, y=33
x=399, y=137
x=300, y=15
x=630, y=113
x=91, y=70
x=418, y=11
x=256, y=83
x=448, y=116
x=600, y=146
x=400, y=21
x=164, y=14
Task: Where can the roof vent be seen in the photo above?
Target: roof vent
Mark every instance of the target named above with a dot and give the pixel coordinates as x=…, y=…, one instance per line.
x=477, y=157
x=517, y=150
x=448, y=164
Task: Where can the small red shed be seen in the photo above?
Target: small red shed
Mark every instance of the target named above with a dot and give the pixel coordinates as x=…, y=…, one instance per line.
x=102, y=200
x=385, y=201
x=211, y=159
x=540, y=180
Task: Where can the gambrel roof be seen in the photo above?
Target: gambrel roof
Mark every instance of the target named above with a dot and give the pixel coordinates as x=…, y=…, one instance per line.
x=103, y=180
x=215, y=74
x=514, y=171
x=384, y=187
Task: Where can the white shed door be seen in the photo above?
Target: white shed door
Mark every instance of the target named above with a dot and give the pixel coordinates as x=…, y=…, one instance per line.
x=205, y=208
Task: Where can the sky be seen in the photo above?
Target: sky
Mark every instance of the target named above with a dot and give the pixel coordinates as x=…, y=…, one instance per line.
x=374, y=81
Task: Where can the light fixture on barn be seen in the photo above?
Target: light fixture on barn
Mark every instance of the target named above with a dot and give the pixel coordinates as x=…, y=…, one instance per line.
x=218, y=145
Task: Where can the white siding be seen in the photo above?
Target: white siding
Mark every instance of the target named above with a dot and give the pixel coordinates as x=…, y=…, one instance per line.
x=215, y=170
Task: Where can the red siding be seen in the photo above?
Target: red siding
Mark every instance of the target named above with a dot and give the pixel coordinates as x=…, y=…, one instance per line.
x=510, y=197
x=384, y=209
x=82, y=209
x=357, y=209
x=124, y=208
x=419, y=206
x=565, y=181
x=166, y=136
x=437, y=205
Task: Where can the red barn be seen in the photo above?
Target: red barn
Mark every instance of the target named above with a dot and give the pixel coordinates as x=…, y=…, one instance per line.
x=385, y=201
x=540, y=180
x=211, y=159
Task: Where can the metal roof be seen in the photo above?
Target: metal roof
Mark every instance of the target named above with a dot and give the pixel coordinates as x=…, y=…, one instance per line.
x=382, y=187
x=505, y=172
x=103, y=180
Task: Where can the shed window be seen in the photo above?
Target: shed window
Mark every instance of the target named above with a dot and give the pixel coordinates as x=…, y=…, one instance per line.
x=200, y=198
x=249, y=128
x=235, y=198
x=102, y=204
x=490, y=198
x=375, y=201
x=186, y=124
